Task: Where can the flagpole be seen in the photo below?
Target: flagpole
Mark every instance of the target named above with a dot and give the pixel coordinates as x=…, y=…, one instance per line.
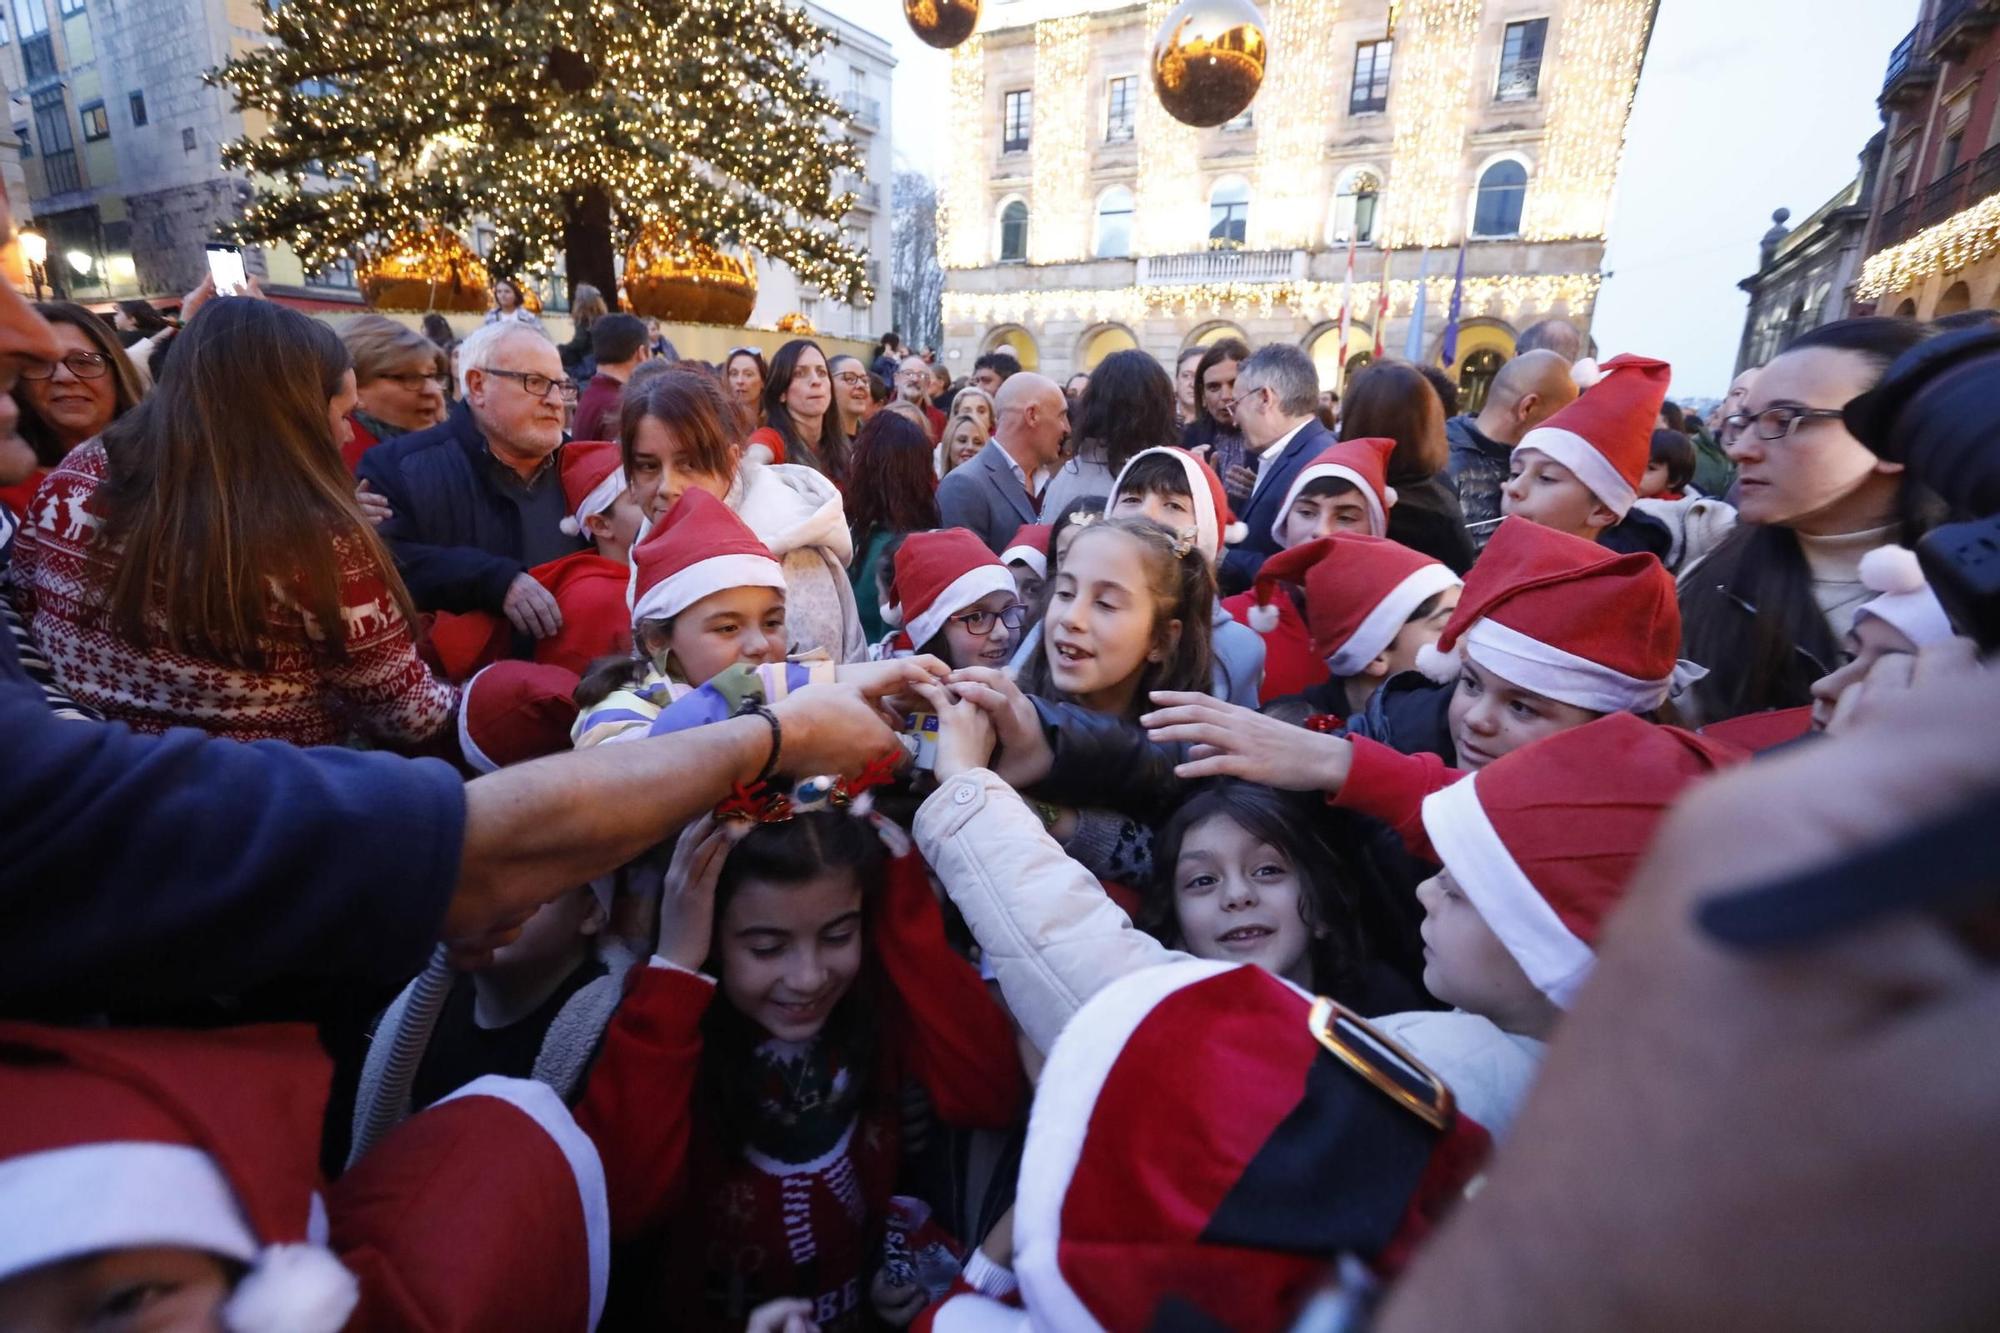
x=1413, y=340
x=1450, y=347
x=1382, y=305
x=1346, y=314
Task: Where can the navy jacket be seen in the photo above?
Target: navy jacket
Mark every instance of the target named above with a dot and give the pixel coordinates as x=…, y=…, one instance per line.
x=984, y=495
x=1241, y=563
x=150, y=869
x=458, y=539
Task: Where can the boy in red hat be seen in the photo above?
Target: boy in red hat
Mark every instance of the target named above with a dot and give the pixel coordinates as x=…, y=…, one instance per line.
x=1027, y=559
x=1580, y=471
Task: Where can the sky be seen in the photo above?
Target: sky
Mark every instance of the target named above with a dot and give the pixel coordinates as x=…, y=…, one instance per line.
x=1744, y=106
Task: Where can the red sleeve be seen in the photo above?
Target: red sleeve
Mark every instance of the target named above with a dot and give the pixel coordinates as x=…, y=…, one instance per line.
x=1391, y=786
x=957, y=1039
x=638, y=1103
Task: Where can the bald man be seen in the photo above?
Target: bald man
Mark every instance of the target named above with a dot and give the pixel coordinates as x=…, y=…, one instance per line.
x=1554, y=335
x=1000, y=489
x=1530, y=389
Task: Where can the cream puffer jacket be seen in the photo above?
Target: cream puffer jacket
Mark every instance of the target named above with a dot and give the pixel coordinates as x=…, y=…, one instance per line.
x=1051, y=938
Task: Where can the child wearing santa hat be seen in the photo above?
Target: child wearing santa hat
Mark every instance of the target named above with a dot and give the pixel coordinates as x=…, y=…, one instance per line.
x=1181, y=493
x=1580, y=471
x=589, y=586
x=949, y=596
x=1027, y=559
x=171, y=1179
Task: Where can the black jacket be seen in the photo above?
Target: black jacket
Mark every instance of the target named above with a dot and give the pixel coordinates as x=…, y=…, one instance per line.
x=1107, y=763
x=1427, y=520
x=1639, y=531
x=1719, y=615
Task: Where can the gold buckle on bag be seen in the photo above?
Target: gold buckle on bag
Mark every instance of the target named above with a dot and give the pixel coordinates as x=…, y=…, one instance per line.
x=1375, y=1056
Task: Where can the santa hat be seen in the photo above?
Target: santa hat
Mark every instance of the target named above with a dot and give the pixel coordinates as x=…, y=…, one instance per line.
x=1196, y=1143
x=1362, y=464
x=1904, y=599
x=1567, y=619
x=512, y=712
x=206, y=1141
x=592, y=477
x=700, y=547
x=1214, y=525
x=1030, y=546
x=936, y=576
x=1360, y=592
x=1606, y=436
x=1543, y=839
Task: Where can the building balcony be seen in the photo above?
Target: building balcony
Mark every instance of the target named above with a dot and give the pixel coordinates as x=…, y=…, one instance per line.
x=1912, y=73
x=1958, y=26
x=866, y=110
x=1960, y=188
x=1215, y=266
x=867, y=194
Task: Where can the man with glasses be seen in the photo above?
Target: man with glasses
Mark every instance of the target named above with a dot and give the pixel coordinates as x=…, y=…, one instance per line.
x=913, y=386
x=477, y=501
x=1277, y=409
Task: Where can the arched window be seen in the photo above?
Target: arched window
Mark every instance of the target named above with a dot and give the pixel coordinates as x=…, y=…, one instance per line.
x=1354, y=204
x=1502, y=187
x=1229, y=214
x=1114, y=223
x=1014, y=232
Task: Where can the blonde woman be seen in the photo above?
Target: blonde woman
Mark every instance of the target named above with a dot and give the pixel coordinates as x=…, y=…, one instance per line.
x=976, y=401
x=964, y=436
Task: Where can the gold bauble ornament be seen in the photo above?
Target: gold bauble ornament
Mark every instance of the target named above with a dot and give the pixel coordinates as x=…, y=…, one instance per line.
x=685, y=281
x=1209, y=60
x=428, y=270
x=942, y=23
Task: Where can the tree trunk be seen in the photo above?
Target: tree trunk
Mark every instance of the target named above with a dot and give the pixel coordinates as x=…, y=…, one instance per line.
x=587, y=249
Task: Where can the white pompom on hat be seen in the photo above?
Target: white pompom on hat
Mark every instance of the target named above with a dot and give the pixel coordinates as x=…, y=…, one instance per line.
x=1903, y=598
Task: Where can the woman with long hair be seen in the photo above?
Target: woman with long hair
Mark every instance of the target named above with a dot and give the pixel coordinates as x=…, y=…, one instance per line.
x=1391, y=400
x=677, y=429
x=801, y=422
x=850, y=397
x=203, y=564
x=745, y=374
x=586, y=307
x=892, y=493
x=1214, y=423
x=964, y=436
x=511, y=302
x=1127, y=405
x=1767, y=609
x=65, y=402
x=399, y=380
x=974, y=401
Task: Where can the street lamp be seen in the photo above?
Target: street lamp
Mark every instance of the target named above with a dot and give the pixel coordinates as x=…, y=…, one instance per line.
x=35, y=249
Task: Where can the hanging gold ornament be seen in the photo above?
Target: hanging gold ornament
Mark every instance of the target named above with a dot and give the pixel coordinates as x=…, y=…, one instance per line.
x=427, y=270
x=942, y=23
x=1208, y=60
x=686, y=281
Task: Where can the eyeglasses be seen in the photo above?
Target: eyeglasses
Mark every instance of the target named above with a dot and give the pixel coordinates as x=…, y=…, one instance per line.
x=852, y=378
x=980, y=623
x=416, y=383
x=1776, y=423
x=83, y=365
x=536, y=386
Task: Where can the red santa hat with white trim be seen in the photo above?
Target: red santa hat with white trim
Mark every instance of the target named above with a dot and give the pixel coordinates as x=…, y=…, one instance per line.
x=1903, y=597
x=515, y=711
x=1569, y=620
x=1200, y=1142
x=937, y=575
x=1361, y=463
x=1605, y=437
x=592, y=477
x=699, y=547
x=1030, y=546
x=1544, y=839
x=1360, y=592
x=1214, y=526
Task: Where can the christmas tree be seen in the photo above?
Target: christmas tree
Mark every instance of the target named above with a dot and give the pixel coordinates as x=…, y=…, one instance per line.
x=567, y=124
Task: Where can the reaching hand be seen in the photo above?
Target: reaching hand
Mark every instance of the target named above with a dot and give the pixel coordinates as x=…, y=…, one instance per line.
x=965, y=733
x=374, y=506
x=203, y=293
x=897, y=1303
x=793, y=1314
x=891, y=677
x=1233, y=741
x=687, y=899
x=531, y=608
x=831, y=728
x=1024, y=757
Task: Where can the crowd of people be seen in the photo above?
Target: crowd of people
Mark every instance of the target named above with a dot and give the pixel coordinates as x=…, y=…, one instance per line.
x=517, y=835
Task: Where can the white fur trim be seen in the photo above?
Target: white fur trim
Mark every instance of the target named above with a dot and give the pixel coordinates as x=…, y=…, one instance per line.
x=1438, y=666
x=988, y=1278
x=599, y=500
x=969, y=1313
x=293, y=1289
x=1906, y=602
x=975, y=583
x=1390, y=496
x=891, y=615
x=1547, y=670
x=1586, y=373
x=1378, y=517
x=1379, y=628
x=1580, y=456
x=1206, y=532
x=1892, y=569
x=66, y=1202
x=1064, y=1099
x=676, y=593
x=467, y=746
x=539, y=1103
x=1513, y=908
x=1264, y=617
x=1029, y=556
x=1235, y=533
x=569, y=527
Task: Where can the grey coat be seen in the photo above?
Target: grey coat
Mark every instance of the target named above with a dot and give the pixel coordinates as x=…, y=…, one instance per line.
x=985, y=496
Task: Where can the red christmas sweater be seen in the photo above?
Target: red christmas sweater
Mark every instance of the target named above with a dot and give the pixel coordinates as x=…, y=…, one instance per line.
x=1391, y=786
x=589, y=591
x=1290, y=664
x=799, y=1210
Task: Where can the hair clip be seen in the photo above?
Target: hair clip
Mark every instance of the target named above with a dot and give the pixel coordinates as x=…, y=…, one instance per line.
x=1083, y=518
x=1183, y=542
x=757, y=803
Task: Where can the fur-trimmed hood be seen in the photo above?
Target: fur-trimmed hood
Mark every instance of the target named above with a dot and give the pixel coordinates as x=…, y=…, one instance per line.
x=790, y=507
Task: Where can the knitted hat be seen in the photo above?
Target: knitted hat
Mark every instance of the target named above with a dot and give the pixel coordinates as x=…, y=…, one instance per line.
x=937, y=575
x=512, y=712
x=1030, y=546
x=1363, y=464
x=1360, y=592
x=700, y=547
x=592, y=478
x=1904, y=598
x=1214, y=525
x=1195, y=1147
x=1543, y=839
x=208, y=1141
x=1606, y=436
x=1567, y=619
